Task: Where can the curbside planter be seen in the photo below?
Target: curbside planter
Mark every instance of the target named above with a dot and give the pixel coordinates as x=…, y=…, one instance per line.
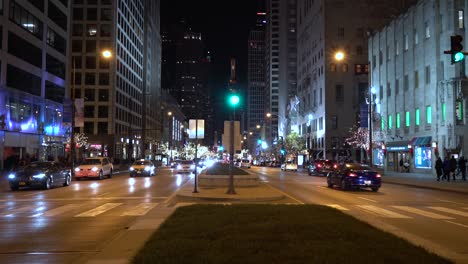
x=212, y=181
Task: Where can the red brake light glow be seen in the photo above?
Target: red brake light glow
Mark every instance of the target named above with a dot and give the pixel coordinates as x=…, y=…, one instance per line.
x=352, y=174
x=335, y=166
x=378, y=176
x=319, y=165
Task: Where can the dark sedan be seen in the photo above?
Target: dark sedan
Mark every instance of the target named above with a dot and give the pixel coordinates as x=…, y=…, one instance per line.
x=322, y=167
x=353, y=175
x=44, y=175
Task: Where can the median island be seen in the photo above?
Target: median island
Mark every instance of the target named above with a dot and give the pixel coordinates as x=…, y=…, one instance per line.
x=218, y=176
x=261, y=233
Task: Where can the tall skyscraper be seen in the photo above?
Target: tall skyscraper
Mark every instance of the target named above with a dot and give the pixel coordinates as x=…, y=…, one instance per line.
x=187, y=80
x=281, y=62
x=33, y=74
x=115, y=89
x=256, y=78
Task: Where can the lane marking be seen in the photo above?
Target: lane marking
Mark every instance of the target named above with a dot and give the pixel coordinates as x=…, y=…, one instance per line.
x=448, y=210
x=370, y=200
x=447, y=201
x=19, y=210
x=278, y=190
x=58, y=210
x=382, y=212
x=422, y=212
x=102, y=194
x=99, y=210
x=139, y=210
x=177, y=205
x=458, y=224
x=337, y=206
x=83, y=198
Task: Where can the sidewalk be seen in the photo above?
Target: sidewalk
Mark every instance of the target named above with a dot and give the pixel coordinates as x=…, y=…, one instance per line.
x=426, y=181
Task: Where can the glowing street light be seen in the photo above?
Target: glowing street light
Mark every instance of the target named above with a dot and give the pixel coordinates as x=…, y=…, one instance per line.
x=339, y=56
x=106, y=54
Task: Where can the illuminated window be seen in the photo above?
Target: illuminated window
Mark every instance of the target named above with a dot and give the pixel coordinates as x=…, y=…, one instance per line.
x=382, y=124
x=444, y=112
x=429, y=114
x=417, y=116
x=398, y=120
x=407, y=119
x=389, y=121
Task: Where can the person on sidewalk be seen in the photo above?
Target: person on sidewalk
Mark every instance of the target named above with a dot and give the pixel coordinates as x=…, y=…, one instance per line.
x=462, y=167
x=401, y=165
x=446, y=169
x=439, y=167
x=453, y=166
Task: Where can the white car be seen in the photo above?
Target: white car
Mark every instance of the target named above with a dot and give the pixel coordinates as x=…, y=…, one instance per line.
x=289, y=165
x=185, y=166
x=94, y=168
x=245, y=164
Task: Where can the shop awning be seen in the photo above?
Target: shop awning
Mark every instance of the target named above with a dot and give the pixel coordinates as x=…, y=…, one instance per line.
x=421, y=141
x=396, y=146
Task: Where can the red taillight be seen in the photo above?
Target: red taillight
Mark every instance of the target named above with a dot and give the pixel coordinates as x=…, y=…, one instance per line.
x=319, y=165
x=352, y=174
x=335, y=166
x=378, y=176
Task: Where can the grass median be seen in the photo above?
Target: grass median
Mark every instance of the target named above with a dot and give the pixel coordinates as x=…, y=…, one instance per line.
x=274, y=234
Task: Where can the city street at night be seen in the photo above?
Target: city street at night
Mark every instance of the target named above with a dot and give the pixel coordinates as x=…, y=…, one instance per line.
x=75, y=224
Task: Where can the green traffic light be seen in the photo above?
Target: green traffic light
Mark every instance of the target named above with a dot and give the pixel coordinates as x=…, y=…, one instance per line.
x=459, y=56
x=234, y=100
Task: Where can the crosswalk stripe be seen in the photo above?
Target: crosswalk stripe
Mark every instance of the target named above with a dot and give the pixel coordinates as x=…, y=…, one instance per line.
x=422, y=212
x=18, y=211
x=382, y=212
x=98, y=210
x=58, y=210
x=448, y=210
x=141, y=209
x=337, y=206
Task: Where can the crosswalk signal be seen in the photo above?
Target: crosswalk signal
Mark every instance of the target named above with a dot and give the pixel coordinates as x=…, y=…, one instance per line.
x=456, y=49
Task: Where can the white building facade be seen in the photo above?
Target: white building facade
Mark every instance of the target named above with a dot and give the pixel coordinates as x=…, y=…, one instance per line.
x=421, y=96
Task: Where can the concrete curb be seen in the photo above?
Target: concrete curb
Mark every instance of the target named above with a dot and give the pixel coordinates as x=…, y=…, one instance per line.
x=415, y=185
x=234, y=199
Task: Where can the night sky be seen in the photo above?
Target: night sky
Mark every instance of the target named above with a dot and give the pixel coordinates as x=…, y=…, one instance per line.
x=225, y=27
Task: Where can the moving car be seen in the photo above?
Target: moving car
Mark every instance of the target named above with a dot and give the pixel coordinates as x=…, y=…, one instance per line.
x=94, y=168
x=322, y=167
x=245, y=164
x=142, y=168
x=42, y=174
x=352, y=175
x=289, y=165
x=185, y=166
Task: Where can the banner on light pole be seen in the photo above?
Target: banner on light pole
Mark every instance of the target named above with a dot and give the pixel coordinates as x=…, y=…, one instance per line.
x=196, y=128
x=79, y=112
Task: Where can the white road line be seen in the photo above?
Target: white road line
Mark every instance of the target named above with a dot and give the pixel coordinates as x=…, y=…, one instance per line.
x=177, y=205
x=448, y=210
x=18, y=211
x=99, y=210
x=422, y=212
x=458, y=224
x=139, y=210
x=382, y=212
x=58, y=210
x=370, y=200
x=447, y=201
x=337, y=206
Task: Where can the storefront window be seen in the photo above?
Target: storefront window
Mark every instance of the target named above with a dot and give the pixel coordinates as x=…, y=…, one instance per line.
x=422, y=157
x=378, y=157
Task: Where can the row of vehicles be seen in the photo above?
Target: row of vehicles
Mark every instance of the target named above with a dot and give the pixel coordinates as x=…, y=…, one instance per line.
x=346, y=175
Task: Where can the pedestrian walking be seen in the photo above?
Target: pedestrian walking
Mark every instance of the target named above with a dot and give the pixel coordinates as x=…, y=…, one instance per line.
x=439, y=166
x=453, y=166
x=446, y=169
x=462, y=167
x=401, y=165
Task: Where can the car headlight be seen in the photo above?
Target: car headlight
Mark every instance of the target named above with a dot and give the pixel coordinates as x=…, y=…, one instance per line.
x=94, y=169
x=179, y=167
x=132, y=169
x=147, y=168
x=192, y=167
x=39, y=176
x=11, y=176
x=77, y=169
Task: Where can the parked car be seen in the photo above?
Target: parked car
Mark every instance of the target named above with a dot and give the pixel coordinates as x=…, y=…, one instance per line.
x=354, y=175
x=94, y=168
x=40, y=174
x=289, y=165
x=142, y=168
x=245, y=164
x=322, y=167
x=184, y=166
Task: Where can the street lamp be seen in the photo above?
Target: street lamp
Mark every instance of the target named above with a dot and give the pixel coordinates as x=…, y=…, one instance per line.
x=339, y=55
x=107, y=54
x=170, y=133
x=233, y=100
